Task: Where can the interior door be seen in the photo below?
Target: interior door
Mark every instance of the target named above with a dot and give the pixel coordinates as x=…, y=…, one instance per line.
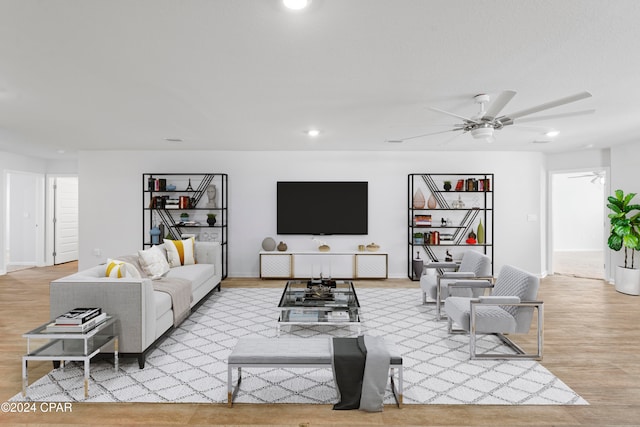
x=65, y=219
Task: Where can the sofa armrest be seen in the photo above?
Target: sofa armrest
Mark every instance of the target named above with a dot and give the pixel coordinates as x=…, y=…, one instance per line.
x=131, y=300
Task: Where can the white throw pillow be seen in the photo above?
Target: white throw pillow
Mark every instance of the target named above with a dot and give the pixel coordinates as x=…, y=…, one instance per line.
x=180, y=252
x=153, y=262
x=120, y=269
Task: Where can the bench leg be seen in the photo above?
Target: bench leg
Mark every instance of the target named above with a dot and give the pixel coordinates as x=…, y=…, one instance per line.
x=231, y=391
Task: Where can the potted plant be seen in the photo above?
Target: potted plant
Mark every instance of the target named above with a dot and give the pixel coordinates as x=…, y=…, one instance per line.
x=418, y=238
x=211, y=219
x=625, y=233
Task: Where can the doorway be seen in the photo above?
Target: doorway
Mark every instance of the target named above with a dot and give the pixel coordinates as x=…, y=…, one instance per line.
x=577, y=223
x=24, y=226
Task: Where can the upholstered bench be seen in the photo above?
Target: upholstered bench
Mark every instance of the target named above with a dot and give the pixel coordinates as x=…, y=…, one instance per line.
x=292, y=353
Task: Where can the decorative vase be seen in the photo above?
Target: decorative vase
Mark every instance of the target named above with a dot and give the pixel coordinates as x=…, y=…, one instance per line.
x=418, y=266
x=431, y=203
x=447, y=186
x=418, y=199
x=268, y=244
x=155, y=235
x=211, y=220
x=282, y=246
x=480, y=233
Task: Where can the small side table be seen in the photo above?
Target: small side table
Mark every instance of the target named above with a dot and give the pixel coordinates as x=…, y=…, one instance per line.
x=71, y=346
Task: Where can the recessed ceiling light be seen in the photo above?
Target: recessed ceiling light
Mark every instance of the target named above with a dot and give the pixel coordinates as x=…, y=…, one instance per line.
x=296, y=4
x=537, y=141
x=552, y=133
x=313, y=132
x=174, y=140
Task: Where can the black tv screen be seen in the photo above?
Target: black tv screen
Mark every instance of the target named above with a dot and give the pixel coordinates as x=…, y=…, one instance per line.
x=310, y=207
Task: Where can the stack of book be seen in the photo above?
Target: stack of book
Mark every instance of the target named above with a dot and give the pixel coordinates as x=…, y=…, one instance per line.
x=422, y=220
x=77, y=320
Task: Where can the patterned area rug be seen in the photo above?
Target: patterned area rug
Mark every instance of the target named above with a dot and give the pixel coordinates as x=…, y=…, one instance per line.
x=190, y=365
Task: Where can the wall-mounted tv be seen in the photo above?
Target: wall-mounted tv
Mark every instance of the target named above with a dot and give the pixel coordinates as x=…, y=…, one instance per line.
x=321, y=208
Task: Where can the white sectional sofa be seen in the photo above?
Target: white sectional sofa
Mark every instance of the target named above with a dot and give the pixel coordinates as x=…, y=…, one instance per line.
x=145, y=314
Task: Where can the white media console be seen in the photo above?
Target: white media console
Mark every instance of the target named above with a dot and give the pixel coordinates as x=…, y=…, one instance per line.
x=337, y=265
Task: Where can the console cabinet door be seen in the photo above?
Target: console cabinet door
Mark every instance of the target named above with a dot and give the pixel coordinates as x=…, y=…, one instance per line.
x=276, y=266
x=337, y=266
x=371, y=266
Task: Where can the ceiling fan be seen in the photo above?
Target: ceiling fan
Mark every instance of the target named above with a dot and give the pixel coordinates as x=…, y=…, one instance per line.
x=597, y=177
x=487, y=121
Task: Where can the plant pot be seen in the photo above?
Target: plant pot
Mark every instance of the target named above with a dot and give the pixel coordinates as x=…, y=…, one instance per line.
x=628, y=280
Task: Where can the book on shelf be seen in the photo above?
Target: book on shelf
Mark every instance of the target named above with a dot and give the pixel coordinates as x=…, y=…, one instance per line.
x=78, y=316
x=84, y=327
x=303, y=316
x=460, y=185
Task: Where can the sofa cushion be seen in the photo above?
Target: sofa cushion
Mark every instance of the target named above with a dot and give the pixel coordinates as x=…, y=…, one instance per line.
x=196, y=273
x=180, y=252
x=153, y=262
x=120, y=269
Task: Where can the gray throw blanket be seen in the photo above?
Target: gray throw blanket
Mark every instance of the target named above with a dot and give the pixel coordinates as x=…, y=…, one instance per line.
x=180, y=292
x=360, y=367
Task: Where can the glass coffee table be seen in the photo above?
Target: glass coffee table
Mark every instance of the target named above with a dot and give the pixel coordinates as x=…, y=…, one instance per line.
x=327, y=302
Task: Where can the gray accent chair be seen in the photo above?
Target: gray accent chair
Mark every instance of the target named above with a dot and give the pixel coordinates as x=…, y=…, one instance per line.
x=507, y=310
x=474, y=265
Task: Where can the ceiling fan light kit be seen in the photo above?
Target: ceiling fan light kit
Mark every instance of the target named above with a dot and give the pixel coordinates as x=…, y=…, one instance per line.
x=488, y=120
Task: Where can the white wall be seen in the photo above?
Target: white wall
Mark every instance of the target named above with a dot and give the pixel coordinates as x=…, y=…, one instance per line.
x=578, y=211
x=111, y=199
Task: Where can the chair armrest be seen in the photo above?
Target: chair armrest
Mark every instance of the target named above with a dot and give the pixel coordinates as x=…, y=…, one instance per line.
x=470, y=283
x=502, y=300
x=441, y=264
x=458, y=275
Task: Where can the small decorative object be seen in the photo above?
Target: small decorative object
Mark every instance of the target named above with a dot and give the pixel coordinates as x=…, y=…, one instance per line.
x=184, y=216
x=443, y=222
x=431, y=203
x=155, y=235
x=189, y=187
x=472, y=238
x=361, y=248
x=323, y=247
x=449, y=222
x=211, y=219
x=211, y=195
x=372, y=247
x=418, y=238
x=458, y=204
x=418, y=200
x=418, y=266
x=480, y=233
x=282, y=246
x=448, y=257
x=171, y=187
x=447, y=185
x=268, y=244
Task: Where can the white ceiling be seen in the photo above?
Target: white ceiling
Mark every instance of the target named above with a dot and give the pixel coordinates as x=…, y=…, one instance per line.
x=249, y=75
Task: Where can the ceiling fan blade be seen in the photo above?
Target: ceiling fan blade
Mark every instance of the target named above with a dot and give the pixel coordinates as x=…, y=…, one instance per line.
x=509, y=118
x=466, y=119
x=498, y=104
x=556, y=116
x=420, y=136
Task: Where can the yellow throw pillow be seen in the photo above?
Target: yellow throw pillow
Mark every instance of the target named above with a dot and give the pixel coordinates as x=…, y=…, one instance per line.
x=120, y=269
x=180, y=252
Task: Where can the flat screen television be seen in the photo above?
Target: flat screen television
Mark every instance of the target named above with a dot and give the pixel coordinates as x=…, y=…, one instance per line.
x=322, y=208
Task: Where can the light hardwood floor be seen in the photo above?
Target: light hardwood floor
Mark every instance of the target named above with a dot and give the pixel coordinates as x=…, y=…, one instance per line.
x=592, y=343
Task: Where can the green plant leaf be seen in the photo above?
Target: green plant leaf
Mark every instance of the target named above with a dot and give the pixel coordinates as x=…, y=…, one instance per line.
x=615, y=242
